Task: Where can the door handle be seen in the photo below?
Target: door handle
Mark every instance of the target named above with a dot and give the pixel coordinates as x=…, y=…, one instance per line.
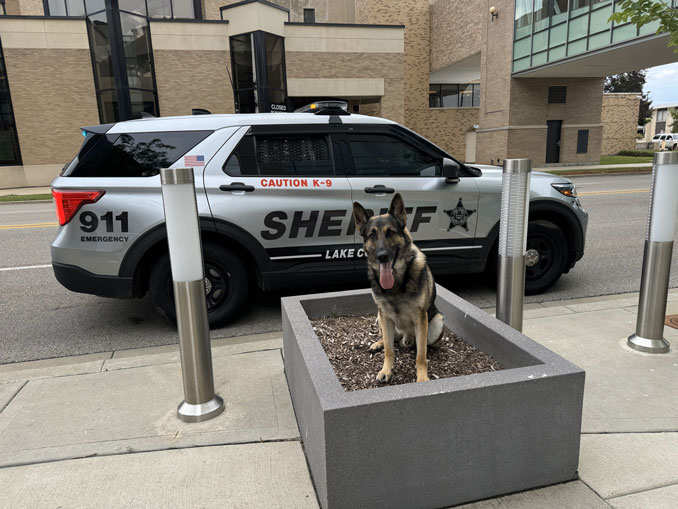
x=379, y=189
x=237, y=186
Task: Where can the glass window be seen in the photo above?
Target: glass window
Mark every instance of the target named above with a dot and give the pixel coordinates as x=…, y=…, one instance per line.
x=109, y=108
x=574, y=48
x=142, y=101
x=133, y=154
x=523, y=19
x=449, y=95
x=599, y=40
x=558, y=35
x=294, y=154
x=476, y=95
x=541, y=14
x=243, y=161
x=243, y=62
x=159, y=8
x=94, y=6
x=557, y=53
x=275, y=54
x=579, y=6
x=381, y=155
x=661, y=115
x=599, y=19
x=135, y=6
x=434, y=99
x=540, y=41
x=623, y=32
x=183, y=9
x=309, y=15
x=559, y=11
x=101, y=51
x=136, y=46
x=539, y=58
x=521, y=48
x=75, y=7
x=56, y=7
x=465, y=96
x=579, y=27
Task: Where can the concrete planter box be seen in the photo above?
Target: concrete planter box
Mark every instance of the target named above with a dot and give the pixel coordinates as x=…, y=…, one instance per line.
x=438, y=443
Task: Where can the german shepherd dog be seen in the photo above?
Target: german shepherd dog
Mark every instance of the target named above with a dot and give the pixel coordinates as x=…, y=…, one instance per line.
x=402, y=286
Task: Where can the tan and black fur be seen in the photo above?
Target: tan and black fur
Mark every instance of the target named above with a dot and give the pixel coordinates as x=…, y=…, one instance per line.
x=407, y=302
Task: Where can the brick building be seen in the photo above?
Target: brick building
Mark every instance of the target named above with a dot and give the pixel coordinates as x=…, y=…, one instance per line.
x=524, y=80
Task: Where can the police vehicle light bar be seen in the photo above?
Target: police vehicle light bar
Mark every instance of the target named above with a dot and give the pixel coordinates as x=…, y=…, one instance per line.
x=325, y=108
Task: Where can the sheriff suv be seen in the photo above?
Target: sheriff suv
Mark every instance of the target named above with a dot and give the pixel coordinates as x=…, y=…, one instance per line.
x=274, y=195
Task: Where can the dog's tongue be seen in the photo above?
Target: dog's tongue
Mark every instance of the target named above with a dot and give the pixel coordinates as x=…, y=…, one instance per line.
x=385, y=276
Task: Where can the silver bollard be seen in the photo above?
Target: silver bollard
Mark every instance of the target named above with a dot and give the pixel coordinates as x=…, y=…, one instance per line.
x=654, y=282
x=183, y=236
x=515, y=204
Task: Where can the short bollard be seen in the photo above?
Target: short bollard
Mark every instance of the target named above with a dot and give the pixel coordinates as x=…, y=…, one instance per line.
x=654, y=282
x=183, y=236
x=515, y=203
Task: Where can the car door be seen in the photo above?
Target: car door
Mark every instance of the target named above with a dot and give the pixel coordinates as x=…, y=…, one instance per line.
x=276, y=187
x=382, y=160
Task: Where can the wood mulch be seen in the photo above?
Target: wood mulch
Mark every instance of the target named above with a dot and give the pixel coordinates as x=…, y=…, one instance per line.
x=346, y=340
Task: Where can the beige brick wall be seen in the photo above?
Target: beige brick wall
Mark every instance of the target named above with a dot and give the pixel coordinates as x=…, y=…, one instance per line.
x=178, y=89
x=30, y=8
x=447, y=128
x=455, y=31
x=51, y=105
x=12, y=7
x=619, y=117
x=305, y=64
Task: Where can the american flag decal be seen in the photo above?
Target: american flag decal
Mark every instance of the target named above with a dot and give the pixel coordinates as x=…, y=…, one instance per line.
x=194, y=160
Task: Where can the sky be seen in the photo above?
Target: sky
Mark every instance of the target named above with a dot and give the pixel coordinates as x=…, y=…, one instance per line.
x=662, y=82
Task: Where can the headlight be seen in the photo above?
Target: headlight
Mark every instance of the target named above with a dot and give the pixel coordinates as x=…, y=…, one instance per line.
x=566, y=188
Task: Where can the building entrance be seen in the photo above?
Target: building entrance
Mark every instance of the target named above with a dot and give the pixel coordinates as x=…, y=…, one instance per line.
x=553, y=141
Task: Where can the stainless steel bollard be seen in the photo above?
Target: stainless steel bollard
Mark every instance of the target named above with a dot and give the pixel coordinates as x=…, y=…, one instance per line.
x=515, y=204
x=183, y=236
x=654, y=282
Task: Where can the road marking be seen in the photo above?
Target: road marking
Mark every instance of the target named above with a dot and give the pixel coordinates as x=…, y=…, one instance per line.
x=26, y=267
x=618, y=191
x=21, y=226
x=26, y=211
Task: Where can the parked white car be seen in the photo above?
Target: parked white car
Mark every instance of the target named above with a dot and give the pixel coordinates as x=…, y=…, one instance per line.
x=666, y=141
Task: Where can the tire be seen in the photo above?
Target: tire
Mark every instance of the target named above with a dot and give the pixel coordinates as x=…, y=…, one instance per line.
x=227, y=286
x=549, y=246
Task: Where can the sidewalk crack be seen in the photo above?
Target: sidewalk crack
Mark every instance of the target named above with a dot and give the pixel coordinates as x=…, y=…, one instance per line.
x=14, y=396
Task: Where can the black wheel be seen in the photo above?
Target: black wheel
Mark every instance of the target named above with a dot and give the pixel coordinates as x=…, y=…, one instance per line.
x=226, y=286
x=546, y=256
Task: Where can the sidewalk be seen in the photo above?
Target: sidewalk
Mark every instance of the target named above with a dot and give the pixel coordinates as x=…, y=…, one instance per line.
x=101, y=430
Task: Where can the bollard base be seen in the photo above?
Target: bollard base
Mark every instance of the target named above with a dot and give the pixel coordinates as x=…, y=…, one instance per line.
x=648, y=345
x=203, y=412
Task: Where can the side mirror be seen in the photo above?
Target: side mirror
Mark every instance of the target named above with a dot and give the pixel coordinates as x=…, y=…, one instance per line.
x=450, y=171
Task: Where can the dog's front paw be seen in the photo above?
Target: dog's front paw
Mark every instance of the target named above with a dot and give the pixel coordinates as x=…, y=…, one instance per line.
x=377, y=346
x=384, y=376
x=423, y=378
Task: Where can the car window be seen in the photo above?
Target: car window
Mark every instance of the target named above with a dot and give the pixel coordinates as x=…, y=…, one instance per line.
x=132, y=154
x=242, y=161
x=384, y=155
x=662, y=137
x=281, y=154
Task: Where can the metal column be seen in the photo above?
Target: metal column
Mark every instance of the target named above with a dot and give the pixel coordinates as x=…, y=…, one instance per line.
x=515, y=202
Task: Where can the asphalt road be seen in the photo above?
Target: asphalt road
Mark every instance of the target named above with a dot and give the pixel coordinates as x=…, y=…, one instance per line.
x=40, y=319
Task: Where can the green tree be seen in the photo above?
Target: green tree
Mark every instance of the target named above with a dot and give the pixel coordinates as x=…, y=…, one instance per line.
x=642, y=12
x=633, y=81
x=674, y=114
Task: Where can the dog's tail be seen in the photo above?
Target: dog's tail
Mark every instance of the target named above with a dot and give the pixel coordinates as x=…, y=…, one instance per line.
x=435, y=328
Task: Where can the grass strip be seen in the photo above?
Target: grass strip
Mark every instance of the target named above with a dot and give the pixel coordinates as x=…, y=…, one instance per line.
x=25, y=197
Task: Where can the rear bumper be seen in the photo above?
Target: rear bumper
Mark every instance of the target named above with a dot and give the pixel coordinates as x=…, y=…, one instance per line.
x=82, y=281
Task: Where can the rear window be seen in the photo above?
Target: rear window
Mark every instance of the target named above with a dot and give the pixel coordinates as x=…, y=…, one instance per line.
x=131, y=154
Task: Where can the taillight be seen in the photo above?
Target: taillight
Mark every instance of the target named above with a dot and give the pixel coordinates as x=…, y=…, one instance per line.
x=69, y=202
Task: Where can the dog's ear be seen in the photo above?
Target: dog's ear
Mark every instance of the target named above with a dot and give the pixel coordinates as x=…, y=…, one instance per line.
x=360, y=216
x=397, y=209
